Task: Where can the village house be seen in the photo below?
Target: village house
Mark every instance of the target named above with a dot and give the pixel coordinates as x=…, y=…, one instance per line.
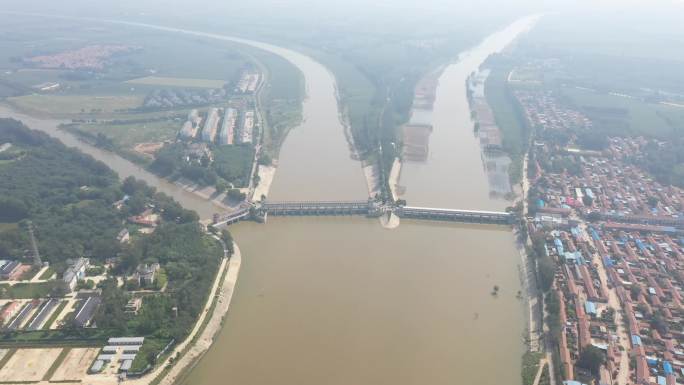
x=146, y=274
x=124, y=236
x=133, y=306
x=75, y=272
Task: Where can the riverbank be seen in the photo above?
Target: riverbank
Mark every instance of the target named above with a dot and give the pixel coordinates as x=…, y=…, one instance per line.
x=202, y=336
x=266, y=175
x=394, y=176
x=372, y=174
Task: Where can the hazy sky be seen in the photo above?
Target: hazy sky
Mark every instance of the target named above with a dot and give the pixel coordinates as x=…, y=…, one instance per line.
x=381, y=15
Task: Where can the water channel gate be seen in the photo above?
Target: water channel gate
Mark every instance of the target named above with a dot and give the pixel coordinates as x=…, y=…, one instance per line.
x=370, y=208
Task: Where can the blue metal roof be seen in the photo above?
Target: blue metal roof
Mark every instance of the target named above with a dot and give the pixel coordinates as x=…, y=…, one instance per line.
x=594, y=234
x=640, y=244
x=590, y=307
x=636, y=340
x=667, y=367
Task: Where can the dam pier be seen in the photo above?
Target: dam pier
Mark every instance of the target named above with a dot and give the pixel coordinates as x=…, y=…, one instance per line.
x=371, y=208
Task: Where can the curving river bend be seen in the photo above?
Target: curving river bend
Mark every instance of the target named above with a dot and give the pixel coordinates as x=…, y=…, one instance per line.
x=342, y=300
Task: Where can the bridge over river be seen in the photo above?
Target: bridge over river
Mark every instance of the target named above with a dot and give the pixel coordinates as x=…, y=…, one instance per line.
x=369, y=208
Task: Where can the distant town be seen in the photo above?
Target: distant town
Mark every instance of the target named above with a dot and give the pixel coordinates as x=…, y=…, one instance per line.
x=615, y=234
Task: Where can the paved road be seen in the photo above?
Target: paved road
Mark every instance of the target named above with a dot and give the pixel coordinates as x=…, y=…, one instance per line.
x=614, y=302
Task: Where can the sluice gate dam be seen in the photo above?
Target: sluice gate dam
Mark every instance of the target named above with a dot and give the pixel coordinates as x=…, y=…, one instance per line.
x=370, y=208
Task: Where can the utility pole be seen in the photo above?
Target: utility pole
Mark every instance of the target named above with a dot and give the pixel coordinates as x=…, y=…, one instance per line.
x=34, y=245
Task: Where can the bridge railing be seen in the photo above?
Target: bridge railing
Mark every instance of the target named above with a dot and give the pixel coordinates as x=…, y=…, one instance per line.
x=369, y=208
x=453, y=214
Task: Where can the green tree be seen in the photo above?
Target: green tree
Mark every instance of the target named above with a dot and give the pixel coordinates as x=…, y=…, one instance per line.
x=228, y=240
x=221, y=186
x=12, y=209
x=236, y=195
x=110, y=314
x=547, y=270
x=591, y=358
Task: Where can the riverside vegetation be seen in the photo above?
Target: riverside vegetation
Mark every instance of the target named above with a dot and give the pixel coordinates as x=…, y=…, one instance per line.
x=69, y=197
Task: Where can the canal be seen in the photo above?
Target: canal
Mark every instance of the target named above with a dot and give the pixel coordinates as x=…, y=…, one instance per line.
x=345, y=301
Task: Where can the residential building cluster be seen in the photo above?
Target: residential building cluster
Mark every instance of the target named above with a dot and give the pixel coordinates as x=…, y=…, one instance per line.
x=617, y=236
x=160, y=99
x=92, y=57
x=606, y=185
x=248, y=83
x=231, y=126
x=542, y=109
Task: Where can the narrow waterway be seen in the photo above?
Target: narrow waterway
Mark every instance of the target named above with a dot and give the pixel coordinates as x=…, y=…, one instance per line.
x=344, y=301
x=123, y=167
x=453, y=175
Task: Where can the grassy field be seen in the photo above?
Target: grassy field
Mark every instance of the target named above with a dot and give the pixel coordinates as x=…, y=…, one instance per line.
x=26, y=290
x=530, y=366
x=62, y=105
x=151, y=346
x=622, y=115
x=8, y=226
x=178, y=82
x=47, y=273
x=127, y=135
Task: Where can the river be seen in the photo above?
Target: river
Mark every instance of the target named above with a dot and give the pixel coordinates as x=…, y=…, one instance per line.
x=345, y=301
x=454, y=175
x=315, y=161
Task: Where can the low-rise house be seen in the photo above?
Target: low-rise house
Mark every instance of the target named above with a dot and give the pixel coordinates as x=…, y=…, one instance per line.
x=126, y=341
x=124, y=236
x=86, y=311
x=133, y=305
x=75, y=272
x=97, y=366
x=147, y=273
x=9, y=311
x=8, y=270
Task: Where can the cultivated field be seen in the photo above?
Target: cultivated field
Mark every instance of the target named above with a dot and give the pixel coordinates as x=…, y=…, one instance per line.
x=74, y=104
x=75, y=364
x=626, y=114
x=28, y=364
x=178, y=82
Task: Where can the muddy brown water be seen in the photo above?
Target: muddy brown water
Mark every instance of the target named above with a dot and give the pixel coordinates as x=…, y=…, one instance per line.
x=341, y=300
